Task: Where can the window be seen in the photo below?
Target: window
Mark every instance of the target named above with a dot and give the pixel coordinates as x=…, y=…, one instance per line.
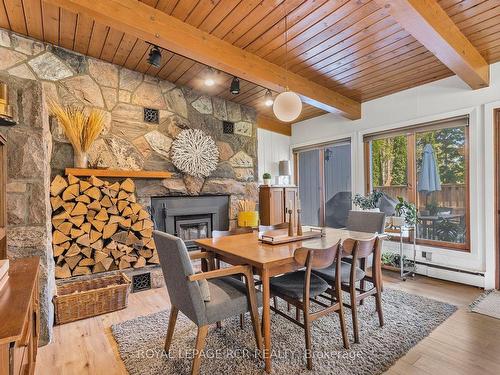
x=324, y=179
x=426, y=165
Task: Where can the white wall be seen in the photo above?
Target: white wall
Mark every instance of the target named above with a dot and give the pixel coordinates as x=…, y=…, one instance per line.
x=437, y=100
x=271, y=148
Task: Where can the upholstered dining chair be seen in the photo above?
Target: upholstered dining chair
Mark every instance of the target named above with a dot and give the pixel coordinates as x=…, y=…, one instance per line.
x=369, y=222
x=300, y=288
x=350, y=274
x=231, y=232
x=207, y=297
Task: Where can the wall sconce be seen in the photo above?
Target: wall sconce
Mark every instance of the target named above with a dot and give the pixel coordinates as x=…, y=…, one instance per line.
x=5, y=109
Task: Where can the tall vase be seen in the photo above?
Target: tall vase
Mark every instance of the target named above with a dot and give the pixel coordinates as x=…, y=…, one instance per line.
x=80, y=159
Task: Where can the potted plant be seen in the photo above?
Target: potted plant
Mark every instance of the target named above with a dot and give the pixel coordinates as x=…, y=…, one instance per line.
x=267, y=178
x=368, y=202
x=407, y=212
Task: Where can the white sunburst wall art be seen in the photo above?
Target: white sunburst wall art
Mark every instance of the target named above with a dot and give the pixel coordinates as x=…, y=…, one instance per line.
x=195, y=153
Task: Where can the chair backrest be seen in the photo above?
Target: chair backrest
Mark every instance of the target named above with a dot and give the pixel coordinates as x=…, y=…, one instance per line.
x=232, y=232
x=359, y=249
x=176, y=267
x=266, y=228
x=365, y=221
x=316, y=258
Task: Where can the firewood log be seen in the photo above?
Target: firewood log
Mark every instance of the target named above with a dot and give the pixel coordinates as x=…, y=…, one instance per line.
x=154, y=259
x=123, y=264
x=128, y=185
x=62, y=272
x=60, y=260
x=136, y=207
x=83, y=198
x=77, y=220
x=148, y=223
x=127, y=211
x=71, y=192
x=95, y=181
x=146, y=233
x=113, y=210
x=84, y=185
x=93, y=193
x=95, y=205
x=68, y=207
x=98, y=268
x=79, y=271
x=56, y=202
x=106, y=262
x=122, y=205
x=57, y=222
x=85, y=227
x=115, y=219
x=125, y=223
x=73, y=250
x=109, y=230
x=73, y=261
x=122, y=195
x=111, y=245
x=150, y=244
x=99, y=255
x=120, y=237
x=117, y=253
x=102, y=215
x=99, y=225
x=58, y=185
x=91, y=214
x=137, y=226
x=98, y=245
x=141, y=262
x=131, y=239
x=87, y=251
x=65, y=227
x=106, y=202
x=115, y=186
x=86, y=262
x=131, y=198
x=76, y=232
x=94, y=236
x=57, y=250
x=80, y=209
x=72, y=179
x=83, y=240
x=63, y=215
x=59, y=237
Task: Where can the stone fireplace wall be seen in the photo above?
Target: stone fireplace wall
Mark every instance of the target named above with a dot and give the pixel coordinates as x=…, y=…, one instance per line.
x=38, y=150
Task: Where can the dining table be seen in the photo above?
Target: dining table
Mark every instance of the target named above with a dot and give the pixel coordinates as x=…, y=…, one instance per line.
x=270, y=260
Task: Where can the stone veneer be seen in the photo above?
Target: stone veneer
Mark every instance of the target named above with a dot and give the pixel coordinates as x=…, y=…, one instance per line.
x=38, y=150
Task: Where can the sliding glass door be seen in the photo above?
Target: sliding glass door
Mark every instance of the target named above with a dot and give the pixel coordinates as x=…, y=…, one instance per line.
x=324, y=179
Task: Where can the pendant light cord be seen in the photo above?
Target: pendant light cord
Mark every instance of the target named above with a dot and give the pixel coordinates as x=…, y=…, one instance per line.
x=286, y=47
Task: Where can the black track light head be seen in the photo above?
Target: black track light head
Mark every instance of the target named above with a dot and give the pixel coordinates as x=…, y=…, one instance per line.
x=235, y=86
x=154, y=57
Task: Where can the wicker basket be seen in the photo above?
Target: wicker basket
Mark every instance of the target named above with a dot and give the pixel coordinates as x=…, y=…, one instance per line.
x=83, y=299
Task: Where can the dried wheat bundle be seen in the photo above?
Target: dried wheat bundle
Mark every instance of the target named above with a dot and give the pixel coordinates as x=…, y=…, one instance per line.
x=246, y=205
x=80, y=128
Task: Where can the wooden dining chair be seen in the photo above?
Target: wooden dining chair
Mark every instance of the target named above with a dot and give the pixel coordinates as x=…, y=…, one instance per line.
x=351, y=274
x=207, y=297
x=224, y=233
x=299, y=288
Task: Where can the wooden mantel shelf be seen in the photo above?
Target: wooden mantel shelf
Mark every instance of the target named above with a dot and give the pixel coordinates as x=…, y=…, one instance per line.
x=115, y=173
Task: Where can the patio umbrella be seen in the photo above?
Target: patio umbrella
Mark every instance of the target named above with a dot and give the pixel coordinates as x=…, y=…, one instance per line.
x=429, y=180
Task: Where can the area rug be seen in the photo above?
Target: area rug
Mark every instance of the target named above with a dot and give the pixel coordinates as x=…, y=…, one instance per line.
x=230, y=350
x=487, y=304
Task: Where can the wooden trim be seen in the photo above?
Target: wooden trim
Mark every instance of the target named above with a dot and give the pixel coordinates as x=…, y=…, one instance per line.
x=273, y=125
x=149, y=24
x=427, y=22
x=114, y=173
x=3, y=197
x=322, y=190
x=411, y=162
x=497, y=197
x=367, y=166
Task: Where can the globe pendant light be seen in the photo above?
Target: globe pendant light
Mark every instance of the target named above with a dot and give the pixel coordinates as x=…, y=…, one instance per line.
x=287, y=105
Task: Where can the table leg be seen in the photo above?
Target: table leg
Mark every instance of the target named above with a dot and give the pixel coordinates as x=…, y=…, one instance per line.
x=266, y=319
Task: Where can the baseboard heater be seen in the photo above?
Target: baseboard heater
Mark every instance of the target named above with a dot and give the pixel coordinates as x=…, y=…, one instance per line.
x=445, y=268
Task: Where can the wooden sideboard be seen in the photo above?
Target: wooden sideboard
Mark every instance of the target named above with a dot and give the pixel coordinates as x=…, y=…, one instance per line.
x=19, y=318
x=3, y=198
x=273, y=200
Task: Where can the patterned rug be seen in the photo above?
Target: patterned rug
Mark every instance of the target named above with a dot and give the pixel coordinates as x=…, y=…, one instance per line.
x=487, y=304
x=230, y=350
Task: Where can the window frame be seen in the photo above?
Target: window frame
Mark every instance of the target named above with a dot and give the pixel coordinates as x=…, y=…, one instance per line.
x=412, y=179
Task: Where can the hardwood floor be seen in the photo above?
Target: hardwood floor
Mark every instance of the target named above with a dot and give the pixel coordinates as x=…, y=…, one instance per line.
x=465, y=343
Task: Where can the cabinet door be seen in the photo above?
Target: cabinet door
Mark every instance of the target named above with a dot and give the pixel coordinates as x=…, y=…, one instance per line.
x=276, y=205
x=291, y=203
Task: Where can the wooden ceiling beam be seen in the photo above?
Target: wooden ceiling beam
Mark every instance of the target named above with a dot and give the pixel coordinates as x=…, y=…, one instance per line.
x=149, y=24
x=271, y=124
x=427, y=22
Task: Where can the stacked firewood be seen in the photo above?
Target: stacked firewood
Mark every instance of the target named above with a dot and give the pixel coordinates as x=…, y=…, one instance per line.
x=98, y=226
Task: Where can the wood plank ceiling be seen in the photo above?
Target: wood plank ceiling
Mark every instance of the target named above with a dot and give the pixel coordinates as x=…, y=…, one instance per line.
x=351, y=46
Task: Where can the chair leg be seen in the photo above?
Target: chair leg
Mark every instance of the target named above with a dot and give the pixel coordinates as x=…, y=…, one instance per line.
x=297, y=314
x=307, y=331
x=275, y=302
x=257, y=329
x=242, y=321
x=378, y=301
x=288, y=306
x=362, y=287
x=218, y=325
x=343, y=327
x=200, y=344
x=354, y=311
x=171, y=326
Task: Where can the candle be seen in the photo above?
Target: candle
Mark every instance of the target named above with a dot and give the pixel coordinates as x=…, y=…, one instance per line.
x=290, y=204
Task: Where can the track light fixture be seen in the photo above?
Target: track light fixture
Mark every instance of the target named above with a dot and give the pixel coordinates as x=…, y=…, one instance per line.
x=235, y=86
x=268, y=98
x=154, y=57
